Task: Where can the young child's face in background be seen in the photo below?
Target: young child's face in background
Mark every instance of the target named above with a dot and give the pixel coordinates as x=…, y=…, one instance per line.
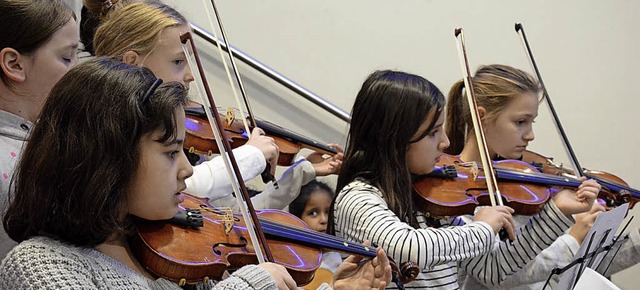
x=316, y=211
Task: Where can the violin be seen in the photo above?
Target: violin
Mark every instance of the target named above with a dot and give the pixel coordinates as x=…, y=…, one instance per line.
x=456, y=188
x=200, y=138
x=191, y=254
x=615, y=191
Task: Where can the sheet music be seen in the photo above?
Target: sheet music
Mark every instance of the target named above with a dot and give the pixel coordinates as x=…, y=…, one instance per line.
x=601, y=234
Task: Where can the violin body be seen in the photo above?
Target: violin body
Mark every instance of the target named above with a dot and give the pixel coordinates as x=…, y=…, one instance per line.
x=445, y=196
x=615, y=191
x=190, y=255
x=200, y=138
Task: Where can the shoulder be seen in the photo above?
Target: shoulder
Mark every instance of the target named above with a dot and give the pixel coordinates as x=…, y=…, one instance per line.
x=360, y=187
x=44, y=261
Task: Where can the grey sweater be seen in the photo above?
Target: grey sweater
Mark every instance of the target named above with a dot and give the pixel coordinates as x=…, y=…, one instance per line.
x=13, y=135
x=44, y=263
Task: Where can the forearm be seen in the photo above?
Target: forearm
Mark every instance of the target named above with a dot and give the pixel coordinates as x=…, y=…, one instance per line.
x=289, y=185
x=507, y=258
x=211, y=179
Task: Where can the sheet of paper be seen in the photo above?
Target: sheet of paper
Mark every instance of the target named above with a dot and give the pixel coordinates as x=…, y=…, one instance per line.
x=602, y=231
x=592, y=280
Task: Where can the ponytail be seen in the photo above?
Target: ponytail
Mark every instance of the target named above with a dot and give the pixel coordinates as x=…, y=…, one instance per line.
x=455, y=124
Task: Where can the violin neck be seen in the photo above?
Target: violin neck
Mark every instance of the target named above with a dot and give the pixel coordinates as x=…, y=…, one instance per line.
x=614, y=186
x=275, y=130
x=315, y=239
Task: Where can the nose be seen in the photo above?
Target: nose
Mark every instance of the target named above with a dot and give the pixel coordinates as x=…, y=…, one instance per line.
x=324, y=218
x=444, y=142
x=185, y=169
x=188, y=77
x=529, y=136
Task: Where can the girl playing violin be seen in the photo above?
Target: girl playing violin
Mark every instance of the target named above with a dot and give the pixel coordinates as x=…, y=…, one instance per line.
x=38, y=43
x=397, y=132
x=508, y=101
x=120, y=156
x=148, y=34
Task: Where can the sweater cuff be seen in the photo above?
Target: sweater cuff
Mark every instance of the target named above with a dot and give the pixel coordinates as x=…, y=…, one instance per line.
x=258, y=278
x=563, y=221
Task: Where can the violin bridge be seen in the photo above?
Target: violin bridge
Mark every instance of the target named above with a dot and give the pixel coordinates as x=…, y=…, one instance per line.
x=227, y=219
x=229, y=117
x=475, y=170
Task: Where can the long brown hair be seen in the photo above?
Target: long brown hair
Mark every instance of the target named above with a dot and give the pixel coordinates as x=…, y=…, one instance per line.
x=388, y=110
x=77, y=168
x=494, y=86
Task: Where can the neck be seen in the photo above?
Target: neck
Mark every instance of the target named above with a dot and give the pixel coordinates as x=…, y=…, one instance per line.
x=18, y=104
x=118, y=248
x=471, y=152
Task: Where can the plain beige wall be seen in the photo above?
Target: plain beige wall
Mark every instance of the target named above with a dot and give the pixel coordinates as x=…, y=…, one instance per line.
x=586, y=51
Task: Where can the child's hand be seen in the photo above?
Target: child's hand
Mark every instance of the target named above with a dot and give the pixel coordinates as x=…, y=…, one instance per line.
x=325, y=166
x=584, y=221
x=573, y=202
x=356, y=273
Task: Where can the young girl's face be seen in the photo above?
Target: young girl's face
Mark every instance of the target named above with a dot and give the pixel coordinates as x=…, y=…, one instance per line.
x=422, y=155
x=316, y=210
x=167, y=60
x=161, y=175
x=511, y=131
x=45, y=66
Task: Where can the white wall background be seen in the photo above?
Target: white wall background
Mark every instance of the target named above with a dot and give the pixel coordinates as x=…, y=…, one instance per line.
x=586, y=51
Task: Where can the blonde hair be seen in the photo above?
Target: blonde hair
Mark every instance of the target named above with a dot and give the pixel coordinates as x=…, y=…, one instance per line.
x=494, y=86
x=134, y=27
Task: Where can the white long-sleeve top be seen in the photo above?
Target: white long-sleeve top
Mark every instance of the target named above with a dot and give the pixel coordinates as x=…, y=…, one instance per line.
x=289, y=184
x=361, y=213
x=210, y=178
x=562, y=252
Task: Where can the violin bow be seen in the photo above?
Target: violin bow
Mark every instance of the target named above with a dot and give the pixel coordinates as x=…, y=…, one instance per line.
x=489, y=173
x=573, y=159
x=239, y=187
x=266, y=175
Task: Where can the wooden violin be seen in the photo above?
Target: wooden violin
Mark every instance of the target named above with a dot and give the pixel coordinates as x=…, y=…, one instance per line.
x=456, y=188
x=615, y=191
x=200, y=138
x=192, y=254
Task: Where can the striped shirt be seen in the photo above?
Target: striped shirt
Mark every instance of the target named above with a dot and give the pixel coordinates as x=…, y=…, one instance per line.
x=362, y=214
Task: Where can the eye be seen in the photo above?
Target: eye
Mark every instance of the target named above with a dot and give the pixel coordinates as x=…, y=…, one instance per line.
x=313, y=213
x=434, y=132
x=178, y=62
x=173, y=154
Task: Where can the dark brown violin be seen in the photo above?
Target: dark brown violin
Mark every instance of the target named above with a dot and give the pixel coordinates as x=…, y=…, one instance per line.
x=191, y=254
x=456, y=188
x=615, y=191
x=200, y=138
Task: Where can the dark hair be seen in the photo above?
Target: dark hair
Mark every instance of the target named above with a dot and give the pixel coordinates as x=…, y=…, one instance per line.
x=387, y=112
x=296, y=207
x=80, y=161
x=494, y=87
x=29, y=24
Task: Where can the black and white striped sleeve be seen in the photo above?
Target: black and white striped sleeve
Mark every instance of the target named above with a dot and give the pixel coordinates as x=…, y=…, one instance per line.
x=361, y=214
x=508, y=257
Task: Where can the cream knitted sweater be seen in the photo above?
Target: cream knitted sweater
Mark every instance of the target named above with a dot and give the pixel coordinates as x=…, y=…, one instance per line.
x=44, y=263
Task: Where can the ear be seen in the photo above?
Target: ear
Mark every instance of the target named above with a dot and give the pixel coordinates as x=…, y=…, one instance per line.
x=12, y=64
x=131, y=57
x=481, y=112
